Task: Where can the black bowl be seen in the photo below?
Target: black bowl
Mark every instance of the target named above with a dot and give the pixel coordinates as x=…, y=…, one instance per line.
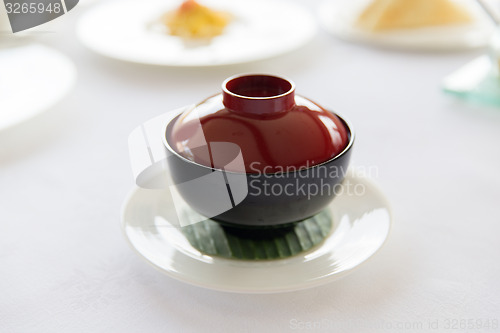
x=258, y=199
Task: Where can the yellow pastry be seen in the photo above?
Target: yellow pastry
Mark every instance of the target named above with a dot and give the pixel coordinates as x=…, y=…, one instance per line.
x=192, y=20
x=382, y=15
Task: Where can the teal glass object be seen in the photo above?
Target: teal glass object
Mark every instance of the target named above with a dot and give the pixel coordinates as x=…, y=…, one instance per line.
x=477, y=81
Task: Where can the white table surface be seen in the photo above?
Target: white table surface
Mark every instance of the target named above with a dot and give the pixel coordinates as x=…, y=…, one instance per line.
x=66, y=267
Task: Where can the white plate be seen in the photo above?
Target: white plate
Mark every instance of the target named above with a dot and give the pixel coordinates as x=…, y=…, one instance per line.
x=32, y=79
x=361, y=224
x=338, y=18
x=126, y=30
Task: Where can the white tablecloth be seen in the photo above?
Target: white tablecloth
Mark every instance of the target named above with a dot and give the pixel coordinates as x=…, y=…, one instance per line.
x=66, y=267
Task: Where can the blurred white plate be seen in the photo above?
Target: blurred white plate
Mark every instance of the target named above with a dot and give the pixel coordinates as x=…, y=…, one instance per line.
x=361, y=223
x=338, y=17
x=32, y=79
x=126, y=30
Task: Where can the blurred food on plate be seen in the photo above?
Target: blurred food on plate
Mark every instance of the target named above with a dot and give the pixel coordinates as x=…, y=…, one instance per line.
x=193, y=20
x=381, y=15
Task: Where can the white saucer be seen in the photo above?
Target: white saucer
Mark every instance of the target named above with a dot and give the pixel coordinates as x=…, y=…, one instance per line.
x=125, y=30
x=338, y=17
x=32, y=79
x=361, y=224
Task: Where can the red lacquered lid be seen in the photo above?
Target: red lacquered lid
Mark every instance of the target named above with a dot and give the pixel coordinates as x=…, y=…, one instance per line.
x=274, y=129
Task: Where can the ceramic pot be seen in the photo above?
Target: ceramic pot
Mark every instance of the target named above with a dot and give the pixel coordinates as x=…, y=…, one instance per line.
x=258, y=155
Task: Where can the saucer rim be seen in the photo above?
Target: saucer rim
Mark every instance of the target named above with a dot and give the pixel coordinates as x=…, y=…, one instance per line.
x=290, y=288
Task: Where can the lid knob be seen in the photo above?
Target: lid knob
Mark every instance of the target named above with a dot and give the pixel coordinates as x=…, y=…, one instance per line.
x=258, y=94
